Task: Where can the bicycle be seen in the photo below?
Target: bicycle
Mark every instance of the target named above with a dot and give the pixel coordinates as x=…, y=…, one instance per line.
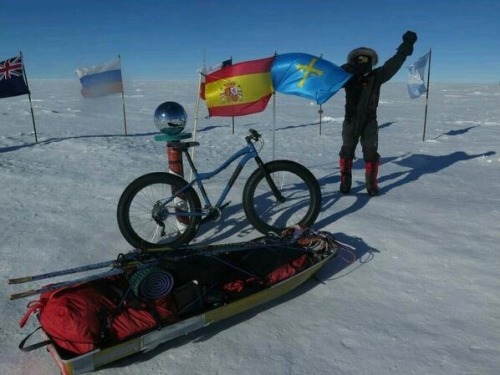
x=162, y=209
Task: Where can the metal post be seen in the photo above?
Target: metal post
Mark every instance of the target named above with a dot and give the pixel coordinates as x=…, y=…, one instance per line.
x=427, y=94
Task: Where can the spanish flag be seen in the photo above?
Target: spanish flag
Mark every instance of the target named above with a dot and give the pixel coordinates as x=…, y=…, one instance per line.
x=239, y=89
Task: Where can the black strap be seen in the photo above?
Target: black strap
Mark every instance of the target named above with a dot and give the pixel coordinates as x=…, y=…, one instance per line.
x=33, y=346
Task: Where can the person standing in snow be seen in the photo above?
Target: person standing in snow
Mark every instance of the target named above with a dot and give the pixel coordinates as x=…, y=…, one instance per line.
x=362, y=92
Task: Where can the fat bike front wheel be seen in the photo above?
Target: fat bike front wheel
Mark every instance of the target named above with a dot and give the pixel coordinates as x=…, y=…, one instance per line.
x=152, y=213
x=298, y=201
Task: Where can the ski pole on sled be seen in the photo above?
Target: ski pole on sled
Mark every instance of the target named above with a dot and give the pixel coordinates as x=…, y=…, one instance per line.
x=49, y=275
x=135, y=260
x=134, y=256
x=120, y=267
x=122, y=260
x=48, y=288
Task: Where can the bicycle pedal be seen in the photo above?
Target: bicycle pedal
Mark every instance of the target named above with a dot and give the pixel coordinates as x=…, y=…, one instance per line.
x=213, y=215
x=206, y=219
x=225, y=205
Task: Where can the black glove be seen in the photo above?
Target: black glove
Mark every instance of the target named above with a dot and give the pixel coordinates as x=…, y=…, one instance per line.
x=410, y=37
x=406, y=48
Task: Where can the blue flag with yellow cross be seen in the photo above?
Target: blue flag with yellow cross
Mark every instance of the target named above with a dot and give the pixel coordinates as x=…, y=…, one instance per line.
x=307, y=76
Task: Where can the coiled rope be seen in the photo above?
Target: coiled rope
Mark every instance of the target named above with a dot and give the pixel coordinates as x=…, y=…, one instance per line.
x=151, y=283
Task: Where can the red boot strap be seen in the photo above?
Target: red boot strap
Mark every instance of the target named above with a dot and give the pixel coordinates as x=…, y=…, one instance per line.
x=372, y=167
x=33, y=307
x=345, y=164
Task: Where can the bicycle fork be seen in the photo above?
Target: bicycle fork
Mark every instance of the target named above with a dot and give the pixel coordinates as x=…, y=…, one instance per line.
x=277, y=194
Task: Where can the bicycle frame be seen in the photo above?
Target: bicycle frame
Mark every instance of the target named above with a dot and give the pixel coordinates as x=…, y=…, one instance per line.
x=244, y=154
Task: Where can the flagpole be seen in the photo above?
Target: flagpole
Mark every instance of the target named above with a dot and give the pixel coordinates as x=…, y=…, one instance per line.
x=196, y=113
x=274, y=113
x=427, y=93
x=200, y=77
x=320, y=115
x=274, y=121
x=320, y=108
x=195, y=126
x=29, y=97
x=123, y=99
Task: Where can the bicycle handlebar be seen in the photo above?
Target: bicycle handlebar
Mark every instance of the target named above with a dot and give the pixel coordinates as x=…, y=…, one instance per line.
x=254, y=135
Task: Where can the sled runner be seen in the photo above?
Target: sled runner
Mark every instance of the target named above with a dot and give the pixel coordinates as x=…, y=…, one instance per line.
x=93, y=323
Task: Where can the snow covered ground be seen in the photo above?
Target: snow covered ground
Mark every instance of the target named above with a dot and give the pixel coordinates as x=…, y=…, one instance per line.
x=419, y=295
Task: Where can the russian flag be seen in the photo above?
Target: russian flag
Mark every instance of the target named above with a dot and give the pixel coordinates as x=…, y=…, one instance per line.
x=101, y=80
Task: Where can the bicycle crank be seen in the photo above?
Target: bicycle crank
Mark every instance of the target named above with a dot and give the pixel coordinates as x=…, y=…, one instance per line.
x=214, y=213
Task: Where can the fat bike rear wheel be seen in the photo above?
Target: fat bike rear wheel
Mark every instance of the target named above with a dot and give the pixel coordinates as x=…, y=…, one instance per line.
x=152, y=214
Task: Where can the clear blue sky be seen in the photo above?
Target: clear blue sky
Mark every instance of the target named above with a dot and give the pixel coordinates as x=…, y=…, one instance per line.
x=170, y=39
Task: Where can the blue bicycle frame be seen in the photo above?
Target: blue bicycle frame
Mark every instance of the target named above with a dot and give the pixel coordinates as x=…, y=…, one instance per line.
x=246, y=153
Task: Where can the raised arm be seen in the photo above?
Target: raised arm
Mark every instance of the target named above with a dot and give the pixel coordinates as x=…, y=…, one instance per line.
x=392, y=65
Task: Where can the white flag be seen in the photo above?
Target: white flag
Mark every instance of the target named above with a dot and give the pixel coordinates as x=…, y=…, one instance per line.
x=416, y=85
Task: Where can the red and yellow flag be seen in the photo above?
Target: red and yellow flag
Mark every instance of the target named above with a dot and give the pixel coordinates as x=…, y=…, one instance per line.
x=239, y=89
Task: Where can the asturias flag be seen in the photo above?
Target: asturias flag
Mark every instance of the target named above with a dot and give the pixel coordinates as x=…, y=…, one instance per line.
x=239, y=89
x=100, y=80
x=416, y=86
x=12, y=81
x=307, y=76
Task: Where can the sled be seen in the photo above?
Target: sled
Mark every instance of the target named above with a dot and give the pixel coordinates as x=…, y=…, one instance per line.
x=287, y=262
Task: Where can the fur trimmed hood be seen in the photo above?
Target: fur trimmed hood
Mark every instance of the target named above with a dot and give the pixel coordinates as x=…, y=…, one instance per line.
x=365, y=51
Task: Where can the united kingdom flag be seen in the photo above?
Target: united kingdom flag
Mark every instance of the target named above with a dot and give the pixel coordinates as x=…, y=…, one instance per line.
x=12, y=81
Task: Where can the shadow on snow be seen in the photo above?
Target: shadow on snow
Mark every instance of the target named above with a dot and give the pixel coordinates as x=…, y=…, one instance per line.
x=60, y=139
x=418, y=165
